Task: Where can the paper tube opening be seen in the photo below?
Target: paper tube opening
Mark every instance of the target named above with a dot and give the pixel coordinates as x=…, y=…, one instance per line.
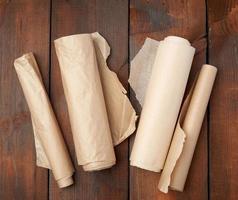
x=98, y=166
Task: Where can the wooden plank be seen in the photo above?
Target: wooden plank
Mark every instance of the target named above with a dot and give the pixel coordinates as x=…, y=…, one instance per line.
x=24, y=27
x=223, y=43
x=158, y=19
x=110, y=18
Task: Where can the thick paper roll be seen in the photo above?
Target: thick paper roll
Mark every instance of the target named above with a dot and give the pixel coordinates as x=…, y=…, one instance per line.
x=182, y=148
x=50, y=147
x=85, y=100
x=162, y=103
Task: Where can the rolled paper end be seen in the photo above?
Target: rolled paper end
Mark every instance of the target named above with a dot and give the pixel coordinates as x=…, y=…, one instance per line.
x=176, y=39
x=96, y=166
x=163, y=188
x=145, y=166
x=65, y=182
x=177, y=188
x=211, y=67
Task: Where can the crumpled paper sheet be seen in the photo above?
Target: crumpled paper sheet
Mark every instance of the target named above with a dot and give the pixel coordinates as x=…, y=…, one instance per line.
x=164, y=94
x=51, y=151
x=99, y=110
x=184, y=141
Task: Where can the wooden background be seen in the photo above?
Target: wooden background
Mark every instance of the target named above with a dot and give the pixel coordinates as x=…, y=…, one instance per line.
x=32, y=25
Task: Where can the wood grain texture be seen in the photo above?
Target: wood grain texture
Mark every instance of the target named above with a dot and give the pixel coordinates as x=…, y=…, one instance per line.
x=29, y=25
x=158, y=19
x=223, y=43
x=110, y=18
x=24, y=27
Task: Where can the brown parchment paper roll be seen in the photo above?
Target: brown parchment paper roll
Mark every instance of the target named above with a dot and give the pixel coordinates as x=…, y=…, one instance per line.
x=187, y=131
x=50, y=147
x=84, y=70
x=162, y=103
x=86, y=105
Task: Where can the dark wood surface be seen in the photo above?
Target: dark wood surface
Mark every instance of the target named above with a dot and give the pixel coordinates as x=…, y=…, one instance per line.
x=33, y=25
x=223, y=126
x=158, y=19
x=21, y=31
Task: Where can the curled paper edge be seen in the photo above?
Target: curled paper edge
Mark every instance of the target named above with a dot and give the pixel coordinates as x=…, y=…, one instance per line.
x=175, y=151
x=102, y=47
x=170, y=165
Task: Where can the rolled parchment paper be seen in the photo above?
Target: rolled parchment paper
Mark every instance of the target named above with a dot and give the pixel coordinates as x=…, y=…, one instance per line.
x=162, y=102
x=182, y=148
x=85, y=101
x=50, y=147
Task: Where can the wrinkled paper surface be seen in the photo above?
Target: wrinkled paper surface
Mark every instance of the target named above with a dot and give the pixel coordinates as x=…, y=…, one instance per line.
x=121, y=115
x=99, y=110
x=51, y=151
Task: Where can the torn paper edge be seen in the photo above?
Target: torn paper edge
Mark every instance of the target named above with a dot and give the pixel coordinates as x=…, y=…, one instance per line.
x=104, y=48
x=176, y=147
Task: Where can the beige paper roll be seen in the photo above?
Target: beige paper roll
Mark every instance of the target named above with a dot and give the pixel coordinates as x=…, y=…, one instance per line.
x=162, y=103
x=85, y=100
x=182, y=148
x=50, y=147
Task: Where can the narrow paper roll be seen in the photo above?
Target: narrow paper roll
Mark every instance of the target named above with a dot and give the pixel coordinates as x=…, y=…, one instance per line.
x=182, y=148
x=162, y=103
x=50, y=147
x=85, y=100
